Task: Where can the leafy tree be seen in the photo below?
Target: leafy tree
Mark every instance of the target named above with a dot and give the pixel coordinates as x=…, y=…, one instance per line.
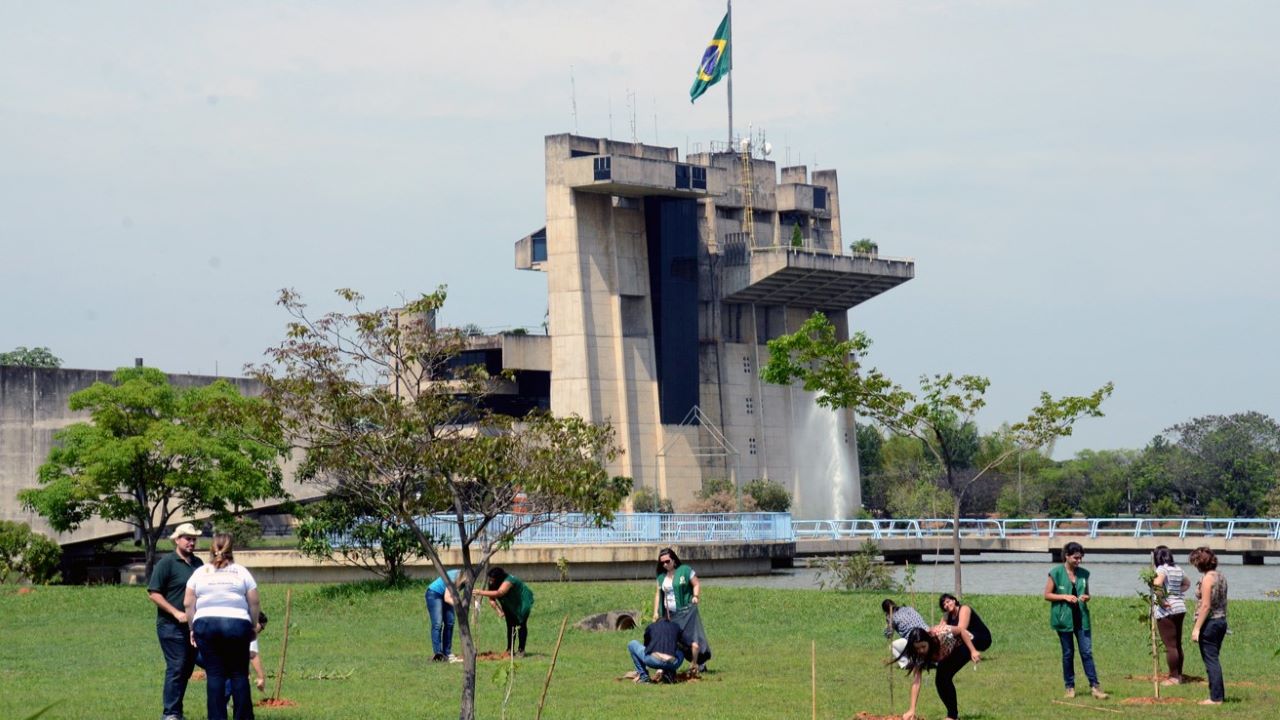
x=27, y=554
x=153, y=453
x=646, y=500
x=864, y=247
x=40, y=357
x=797, y=238
x=385, y=414
x=939, y=416
x=348, y=526
x=769, y=495
x=1233, y=458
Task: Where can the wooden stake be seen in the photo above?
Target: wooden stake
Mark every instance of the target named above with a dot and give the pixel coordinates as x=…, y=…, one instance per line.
x=892, y=657
x=813, y=677
x=284, y=643
x=1155, y=656
x=555, y=654
x=1086, y=707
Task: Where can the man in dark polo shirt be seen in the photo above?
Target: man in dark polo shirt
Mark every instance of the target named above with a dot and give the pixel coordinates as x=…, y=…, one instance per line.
x=660, y=650
x=167, y=589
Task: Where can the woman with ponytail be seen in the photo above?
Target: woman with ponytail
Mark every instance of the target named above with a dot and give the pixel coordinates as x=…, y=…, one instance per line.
x=222, y=597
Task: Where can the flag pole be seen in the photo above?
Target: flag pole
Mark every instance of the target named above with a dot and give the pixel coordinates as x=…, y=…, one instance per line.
x=731, y=50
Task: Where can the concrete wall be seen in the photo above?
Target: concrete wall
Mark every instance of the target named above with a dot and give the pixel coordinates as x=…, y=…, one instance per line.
x=33, y=407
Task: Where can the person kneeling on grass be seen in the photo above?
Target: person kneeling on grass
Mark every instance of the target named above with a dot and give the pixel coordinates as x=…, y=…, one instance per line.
x=659, y=651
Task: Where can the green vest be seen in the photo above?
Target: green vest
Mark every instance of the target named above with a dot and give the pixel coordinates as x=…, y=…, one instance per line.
x=1060, y=614
x=681, y=585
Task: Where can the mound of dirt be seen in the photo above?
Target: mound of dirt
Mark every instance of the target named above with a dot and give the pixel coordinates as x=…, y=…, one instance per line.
x=869, y=716
x=277, y=703
x=1186, y=679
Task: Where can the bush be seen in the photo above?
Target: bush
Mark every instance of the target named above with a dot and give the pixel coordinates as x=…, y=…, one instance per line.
x=861, y=570
x=1165, y=507
x=722, y=502
x=244, y=531
x=27, y=554
x=770, y=496
x=647, y=501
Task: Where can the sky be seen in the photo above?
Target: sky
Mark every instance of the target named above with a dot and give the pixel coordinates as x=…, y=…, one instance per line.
x=1090, y=190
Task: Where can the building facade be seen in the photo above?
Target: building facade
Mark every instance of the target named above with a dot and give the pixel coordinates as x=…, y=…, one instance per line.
x=665, y=280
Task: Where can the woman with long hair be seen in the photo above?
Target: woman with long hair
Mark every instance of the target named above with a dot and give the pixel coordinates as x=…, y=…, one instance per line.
x=1171, y=610
x=222, y=599
x=964, y=622
x=1211, y=620
x=1067, y=589
x=676, y=598
x=513, y=601
x=935, y=649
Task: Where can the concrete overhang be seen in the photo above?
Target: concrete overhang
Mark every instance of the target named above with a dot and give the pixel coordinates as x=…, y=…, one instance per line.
x=798, y=197
x=783, y=276
x=632, y=176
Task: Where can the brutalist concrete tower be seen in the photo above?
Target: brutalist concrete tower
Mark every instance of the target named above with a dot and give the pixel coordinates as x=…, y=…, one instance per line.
x=665, y=280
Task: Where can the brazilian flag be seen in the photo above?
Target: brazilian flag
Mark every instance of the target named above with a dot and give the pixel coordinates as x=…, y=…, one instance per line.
x=715, y=63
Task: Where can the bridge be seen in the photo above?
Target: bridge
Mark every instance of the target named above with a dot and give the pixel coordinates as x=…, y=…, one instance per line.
x=908, y=540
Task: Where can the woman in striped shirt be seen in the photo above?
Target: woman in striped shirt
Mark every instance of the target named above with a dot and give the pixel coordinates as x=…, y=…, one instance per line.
x=1171, y=610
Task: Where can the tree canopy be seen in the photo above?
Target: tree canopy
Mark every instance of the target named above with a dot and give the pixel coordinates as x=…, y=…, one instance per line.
x=153, y=452
x=389, y=415
x=40, y=357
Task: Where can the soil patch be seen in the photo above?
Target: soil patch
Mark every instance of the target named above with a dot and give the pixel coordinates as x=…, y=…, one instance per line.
x=269, y=702
x=869, y=716
x=1186, y=679
x=24, y=591
x=492, y=656
x=1152, y=701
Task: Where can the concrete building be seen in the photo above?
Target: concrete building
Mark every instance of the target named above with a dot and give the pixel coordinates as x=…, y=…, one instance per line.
x=665, y=280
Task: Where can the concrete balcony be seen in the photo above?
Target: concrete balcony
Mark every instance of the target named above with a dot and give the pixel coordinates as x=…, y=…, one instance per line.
x=792, y=276
x=632, y=176
x=804, y=198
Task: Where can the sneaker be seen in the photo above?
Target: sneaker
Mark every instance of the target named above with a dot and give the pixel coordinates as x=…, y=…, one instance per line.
x=438, y=657
x=454, y=658
x=1097, y=692
x=172, y=717
x=1070, y=693
x=669, y=678
x=519, y=653
x=1210, y=702
x=1171, y=681
x=642, y=679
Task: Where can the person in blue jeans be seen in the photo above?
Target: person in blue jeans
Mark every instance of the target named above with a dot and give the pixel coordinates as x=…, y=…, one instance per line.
x=1067, y=589
x=1211, y=620
x=659, y=651
x=167, y=588
x=440, y=608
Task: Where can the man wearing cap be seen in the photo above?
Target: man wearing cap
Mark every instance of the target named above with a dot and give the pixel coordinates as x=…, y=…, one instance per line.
x=167, y=589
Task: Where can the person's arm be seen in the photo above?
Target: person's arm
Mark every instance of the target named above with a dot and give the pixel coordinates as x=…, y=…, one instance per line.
x=502, y=590
x=189, y=602
x=163, y=604
x=657, y=601
x=255, y=609
x=697, y=588
x=1202, y=607
x=1161, y=581
x=915, y=695
x=961, y=628
x=1051, y=596
x=256, y=661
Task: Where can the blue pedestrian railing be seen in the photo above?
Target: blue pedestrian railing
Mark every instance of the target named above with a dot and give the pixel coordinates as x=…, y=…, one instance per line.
x=1181, y=528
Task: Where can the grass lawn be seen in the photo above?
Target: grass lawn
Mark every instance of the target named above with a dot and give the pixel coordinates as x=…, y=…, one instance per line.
x=360, y=654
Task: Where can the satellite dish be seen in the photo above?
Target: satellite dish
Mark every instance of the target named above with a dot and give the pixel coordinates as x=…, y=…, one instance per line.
x=768, y=148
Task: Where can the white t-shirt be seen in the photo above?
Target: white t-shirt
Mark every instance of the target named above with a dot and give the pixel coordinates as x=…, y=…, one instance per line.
x=222, y=593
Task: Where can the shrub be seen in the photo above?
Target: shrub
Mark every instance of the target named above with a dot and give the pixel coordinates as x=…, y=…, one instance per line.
x=1165, y=507
x=27, y=554
x=861, y=570
x=648, y=501
x=770, y=496
x=722, y=502
x=244, y=531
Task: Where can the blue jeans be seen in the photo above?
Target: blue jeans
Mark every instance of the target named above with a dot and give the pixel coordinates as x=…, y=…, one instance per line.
x=224, y=647
x=643, y=662
x=441, y=614
x=1084, y=639
x=179, y=661
x=1212, y=633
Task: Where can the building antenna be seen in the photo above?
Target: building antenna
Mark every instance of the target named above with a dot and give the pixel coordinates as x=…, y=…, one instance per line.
x=611, y=116
x=573, y=99
x=631, y=107
x=655, y=120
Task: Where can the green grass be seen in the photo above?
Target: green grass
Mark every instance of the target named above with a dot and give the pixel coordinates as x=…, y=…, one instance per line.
x=94, y=649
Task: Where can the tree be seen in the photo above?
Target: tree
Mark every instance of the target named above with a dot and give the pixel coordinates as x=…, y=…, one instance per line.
x=1232, y=458
x=769, y=495
x=386, y=412
x=40, y=357
x=347, y=525
x=940, y=416
x=27, y=554
x=153, y=452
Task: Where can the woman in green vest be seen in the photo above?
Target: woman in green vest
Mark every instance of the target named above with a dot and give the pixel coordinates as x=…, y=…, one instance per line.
x=513, y=600
x=1068, y=590
x=676, y=598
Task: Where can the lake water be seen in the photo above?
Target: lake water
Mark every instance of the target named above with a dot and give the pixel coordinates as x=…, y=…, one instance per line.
x=1018, y=574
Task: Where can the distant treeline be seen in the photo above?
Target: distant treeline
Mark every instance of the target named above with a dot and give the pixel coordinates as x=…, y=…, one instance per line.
x=1216, y=466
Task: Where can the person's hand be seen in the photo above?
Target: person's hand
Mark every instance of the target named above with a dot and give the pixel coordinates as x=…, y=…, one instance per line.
x=1084, y=597
x=261, y=683
x=181, y=617
x=695, y=599
x=909, y=715
x=976, y=657
x=1072, y=599
x=655, y=617
x=192, y=637
x=1195, y=636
